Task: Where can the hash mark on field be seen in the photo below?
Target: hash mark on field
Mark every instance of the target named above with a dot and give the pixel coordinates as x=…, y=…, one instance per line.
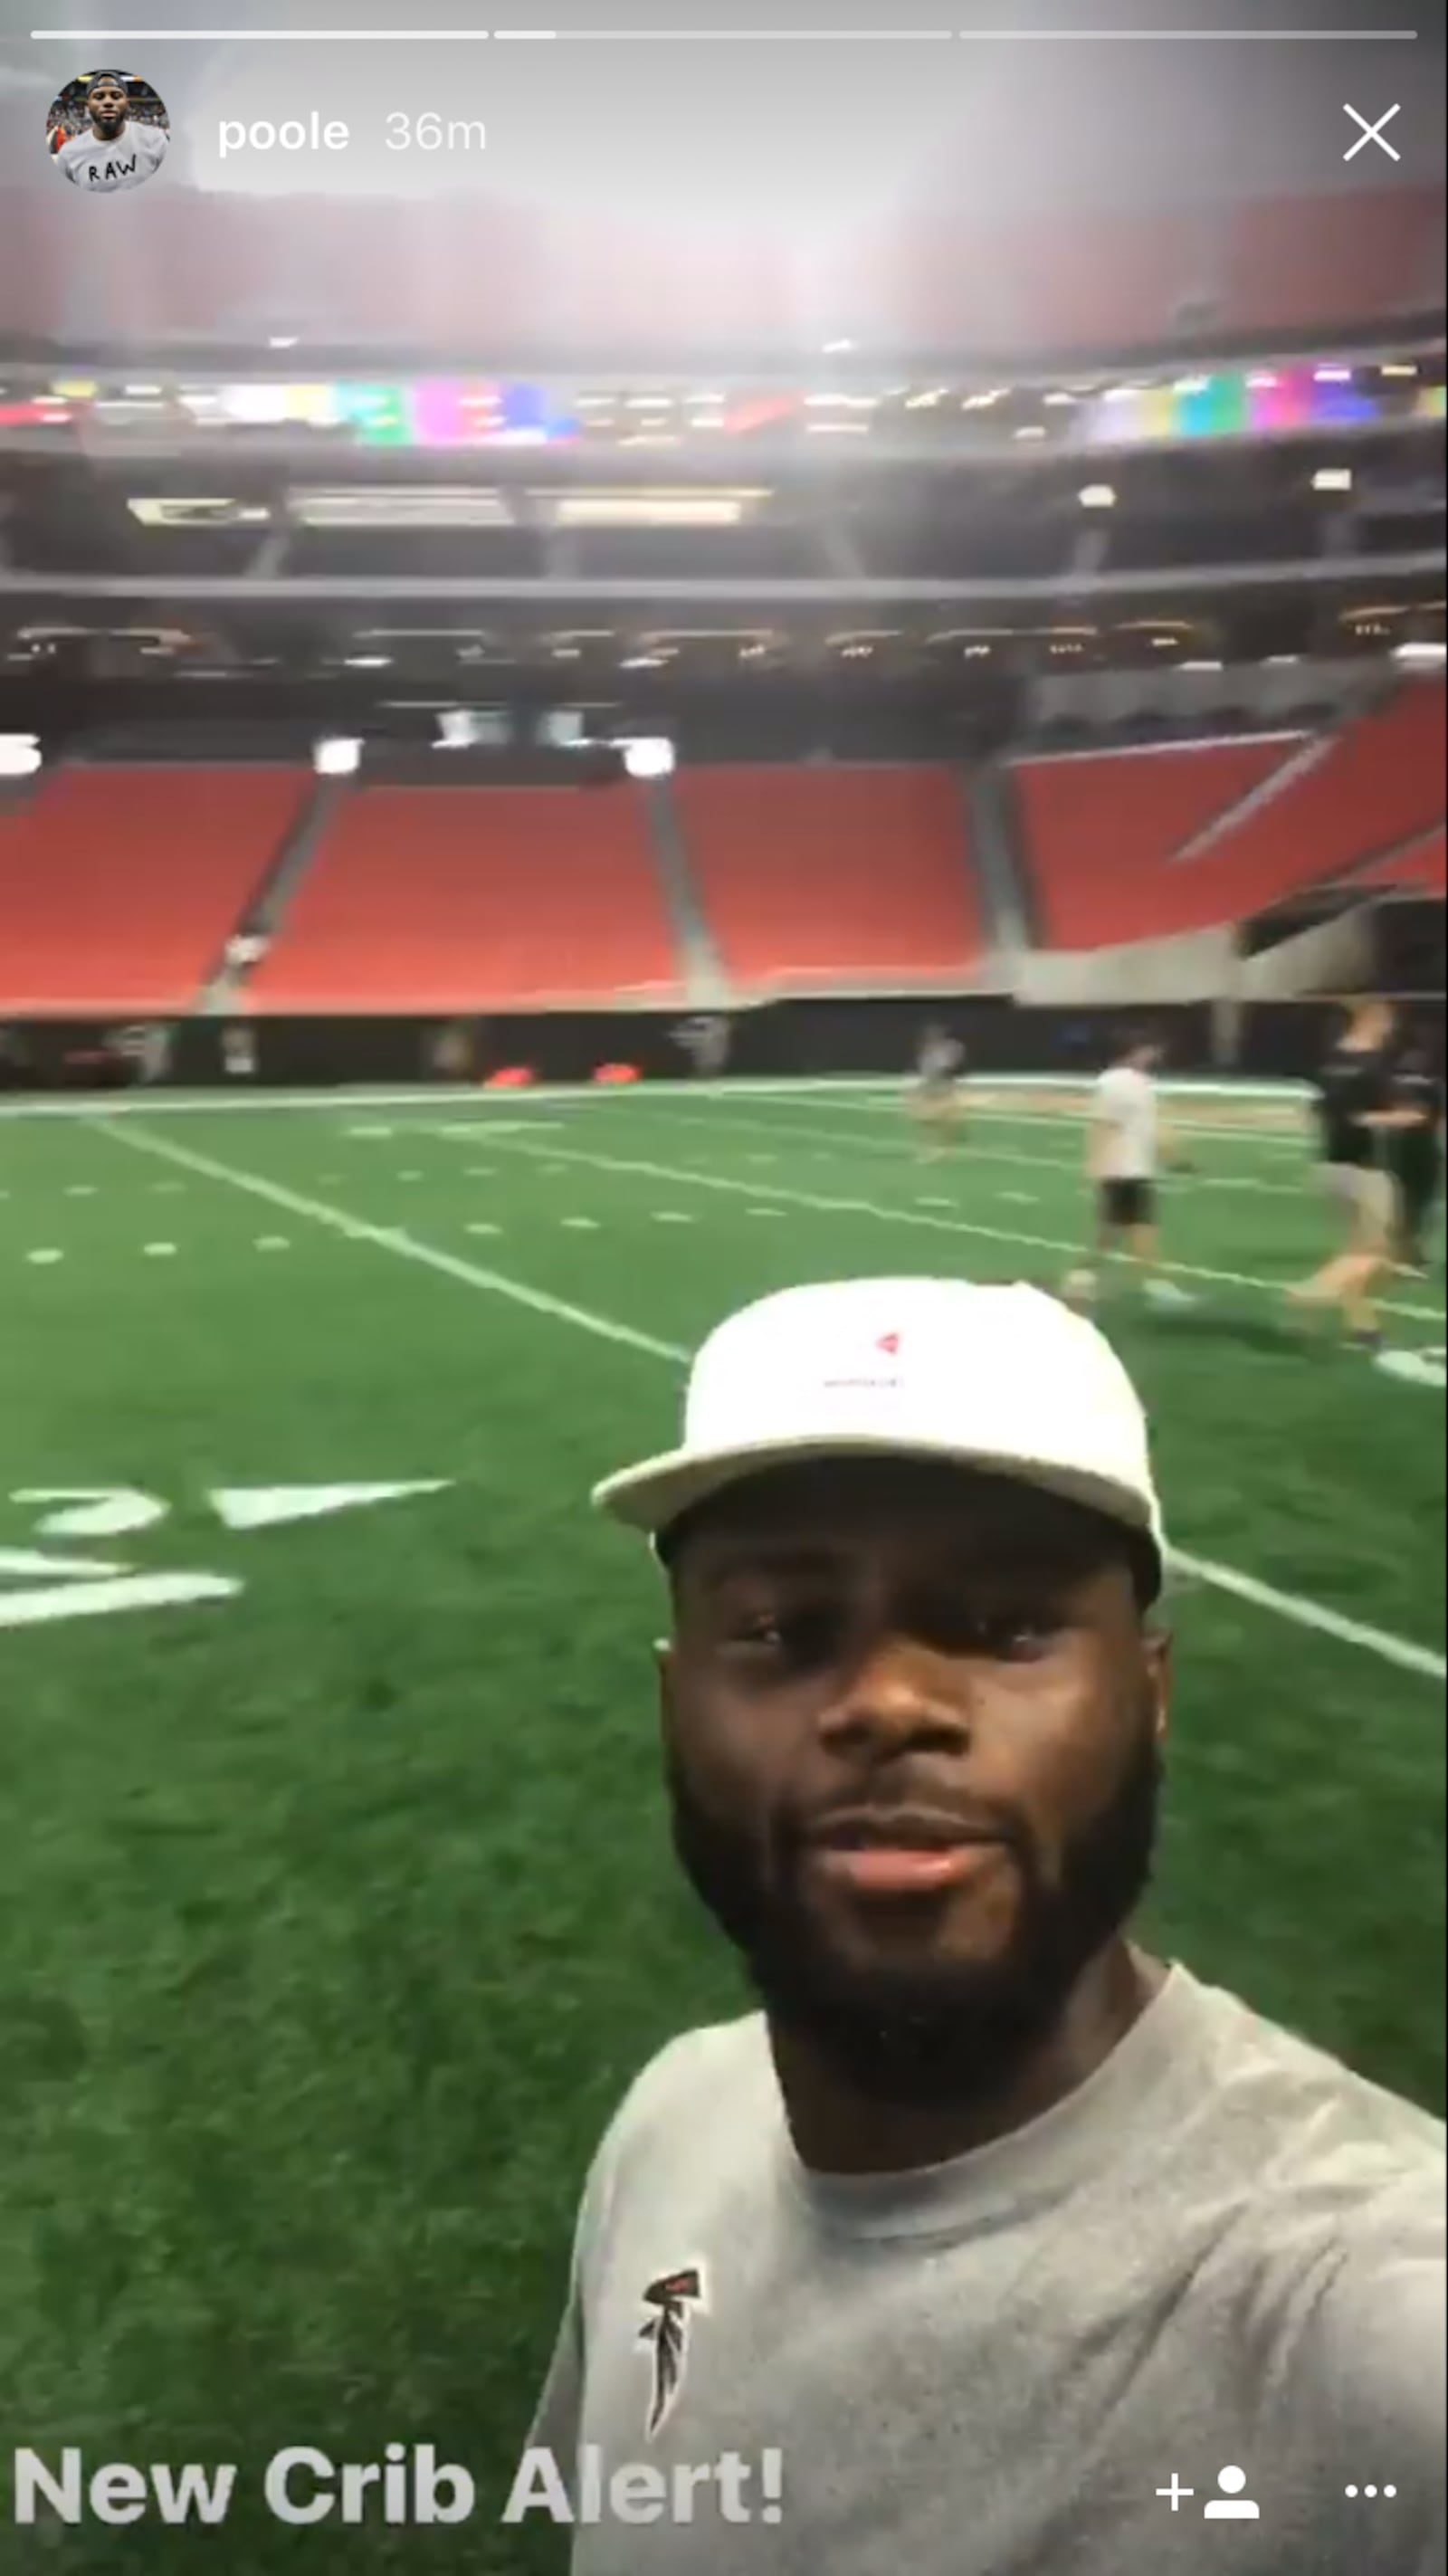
x=1303, y=1613
x=935, y=1203
x=370, y=1131
x=792, y=1199
x=409, y=1176
x=46, y=1255
x=273, y=1243
x=488, y=1125
x=761, y=1158
x=81, y=1190
x=481, y=1226
x=670, y=1216
x=1019, y=1198
x=172, y=1187
x=764, y=1211
x=160, y=1251
x=582, y=1224
x=481, y=1172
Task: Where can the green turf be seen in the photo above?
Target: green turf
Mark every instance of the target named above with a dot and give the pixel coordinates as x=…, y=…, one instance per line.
x=340, y=1911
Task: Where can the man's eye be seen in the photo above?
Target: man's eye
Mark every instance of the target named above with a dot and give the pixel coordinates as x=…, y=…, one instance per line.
x=760, y=1628
x=1019, y=1634
x=764, y=1629
x=796, y=1634
x=1005, y=1635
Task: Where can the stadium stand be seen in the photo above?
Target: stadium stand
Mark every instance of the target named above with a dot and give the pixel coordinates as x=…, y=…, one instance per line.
x=1106, y=281
x=831, y=873
x=1100, y=826
x=1121, y=845
x=1316, y=258
x=1420, y=869
x=119, y=886
x=465, y=898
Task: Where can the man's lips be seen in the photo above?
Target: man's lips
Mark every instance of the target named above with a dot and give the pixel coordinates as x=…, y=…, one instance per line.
x=902, y=1851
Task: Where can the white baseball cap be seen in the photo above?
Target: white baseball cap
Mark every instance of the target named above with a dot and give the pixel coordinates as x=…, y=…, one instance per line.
x=1005, y=1380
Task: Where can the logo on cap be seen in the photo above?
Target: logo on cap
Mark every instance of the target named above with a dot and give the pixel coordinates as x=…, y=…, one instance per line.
x=888, y=1344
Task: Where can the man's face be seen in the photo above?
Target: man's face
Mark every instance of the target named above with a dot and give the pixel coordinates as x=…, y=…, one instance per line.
x=857, y=1638
x=107, y=106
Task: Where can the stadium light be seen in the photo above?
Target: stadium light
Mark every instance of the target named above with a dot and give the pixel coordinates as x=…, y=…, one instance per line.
x=458, y=728
x=1332, y=478
x=335, y=756
x=647, y=755
x=1431, y=656
x=1097, y=496
x=19, y=755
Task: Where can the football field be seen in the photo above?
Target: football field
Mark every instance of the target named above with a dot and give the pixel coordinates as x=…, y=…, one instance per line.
x=340, y=1907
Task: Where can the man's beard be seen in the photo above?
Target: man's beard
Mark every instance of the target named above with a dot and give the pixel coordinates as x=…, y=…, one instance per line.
x=106, y=128
x=929, y=2033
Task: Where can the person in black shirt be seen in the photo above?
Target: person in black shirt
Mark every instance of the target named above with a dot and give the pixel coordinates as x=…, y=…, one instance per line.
x=1416, y=1150
x=1353, y=1107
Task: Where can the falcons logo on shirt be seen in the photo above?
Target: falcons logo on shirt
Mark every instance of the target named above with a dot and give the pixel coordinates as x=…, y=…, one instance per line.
x=671, y=2297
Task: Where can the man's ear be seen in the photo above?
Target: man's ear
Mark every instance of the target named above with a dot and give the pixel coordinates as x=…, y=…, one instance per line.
x=1157, y=1647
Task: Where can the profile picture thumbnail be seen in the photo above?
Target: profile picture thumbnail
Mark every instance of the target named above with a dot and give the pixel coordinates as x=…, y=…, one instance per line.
x=108, y=130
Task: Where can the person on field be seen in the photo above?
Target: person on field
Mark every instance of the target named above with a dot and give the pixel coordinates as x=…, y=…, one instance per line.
x=1355, y=1116
x=990, y=2224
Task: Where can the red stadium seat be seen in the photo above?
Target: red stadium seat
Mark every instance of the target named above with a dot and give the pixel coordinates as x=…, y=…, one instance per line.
x=832, y=876
x=459, y=898
x=937, y=271
x=1420, y=869
x=119, y=887
x=1101, y=826
x=1316, y=263
x=1111, y=835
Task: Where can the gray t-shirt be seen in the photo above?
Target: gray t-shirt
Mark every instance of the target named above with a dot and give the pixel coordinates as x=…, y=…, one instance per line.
x=1223, y=2253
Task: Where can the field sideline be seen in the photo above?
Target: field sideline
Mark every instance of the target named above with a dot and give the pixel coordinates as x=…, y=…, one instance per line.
x=344, y=1907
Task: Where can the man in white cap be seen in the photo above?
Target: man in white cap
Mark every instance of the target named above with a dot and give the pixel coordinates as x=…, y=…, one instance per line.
x=992, y=2245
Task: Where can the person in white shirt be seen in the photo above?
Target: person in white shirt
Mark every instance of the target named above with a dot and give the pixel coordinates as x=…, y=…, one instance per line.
x=935, y=1096
x=1125, y=1145
x=116, y=151
x=705, y=1041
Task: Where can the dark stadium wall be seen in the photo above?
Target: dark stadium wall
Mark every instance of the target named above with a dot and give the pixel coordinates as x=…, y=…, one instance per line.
x=774, y=1041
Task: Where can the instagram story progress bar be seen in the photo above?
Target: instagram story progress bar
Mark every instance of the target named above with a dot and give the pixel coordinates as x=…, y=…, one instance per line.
x=725, y=35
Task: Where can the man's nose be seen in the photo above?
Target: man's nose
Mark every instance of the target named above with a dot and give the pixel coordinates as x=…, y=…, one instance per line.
x=896, y=1696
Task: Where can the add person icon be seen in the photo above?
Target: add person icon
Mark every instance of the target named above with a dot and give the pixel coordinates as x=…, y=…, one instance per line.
x=1231, y=2481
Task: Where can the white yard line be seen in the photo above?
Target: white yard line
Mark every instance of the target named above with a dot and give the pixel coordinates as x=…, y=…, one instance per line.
x=633, y=1167
x=1291, y=1140
x=1311, y=1614
x=352, y=1098
x=1390, y=1649
x=968, y=1151
x=392, y=1239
